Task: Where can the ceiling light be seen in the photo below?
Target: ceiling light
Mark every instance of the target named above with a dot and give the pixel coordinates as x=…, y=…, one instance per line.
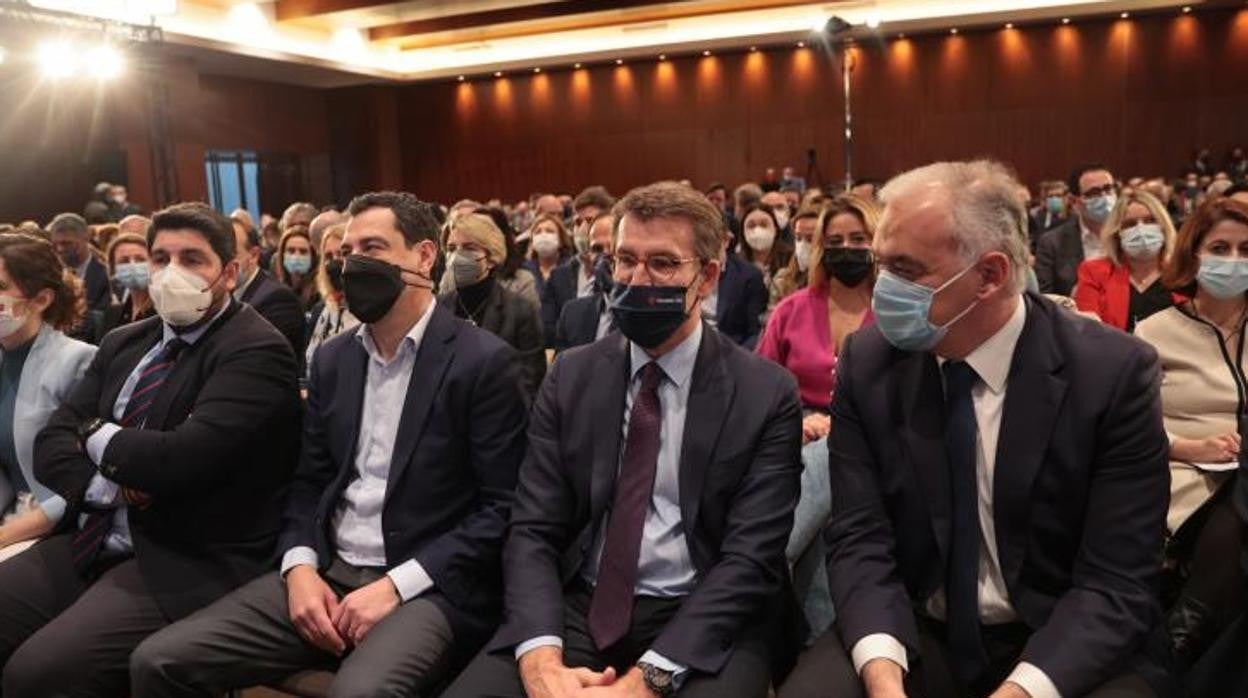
x=537, y=70
x=498, y=73
x=619, y=61
x=57, y=60
x=1187, y=8
x=706, y=53
x=577, y=66
x=662, y=56
x=1009, y=25
x=902, y=35
x=1065, y=20
x=873, y=22
x=249, y=20
x=954, y=31
x=819, y=25
x=753, y=49
x=801, y=44
x=1125, y=15
x=460, y=78
x=104, y=62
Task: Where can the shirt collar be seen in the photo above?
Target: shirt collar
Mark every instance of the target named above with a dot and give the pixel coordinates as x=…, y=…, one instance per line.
x=677, y=364
x=411, y=340
x=194, y=335
x=1088, y=235
x=991, y=360
x=238, y=292
x=81, y=271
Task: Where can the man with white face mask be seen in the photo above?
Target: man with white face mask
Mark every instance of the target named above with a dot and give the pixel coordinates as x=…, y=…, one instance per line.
x=1060, y=251
x=172, y=454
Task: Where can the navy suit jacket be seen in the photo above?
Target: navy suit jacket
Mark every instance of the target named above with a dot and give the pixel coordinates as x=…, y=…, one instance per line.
x=742, y=301
x=558, y=290
x=449, y=491
x=578, y=323
x=1058, y=255
x=1079, y=497
x=279, y=305
x=99, y=294
x=739, y=480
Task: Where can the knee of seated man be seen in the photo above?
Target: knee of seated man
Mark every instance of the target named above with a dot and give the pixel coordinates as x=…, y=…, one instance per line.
x=34, y=671
x=153, y=657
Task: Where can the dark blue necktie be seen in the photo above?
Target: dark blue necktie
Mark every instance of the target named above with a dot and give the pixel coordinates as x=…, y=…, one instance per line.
x=962, y=573
x=86, y=544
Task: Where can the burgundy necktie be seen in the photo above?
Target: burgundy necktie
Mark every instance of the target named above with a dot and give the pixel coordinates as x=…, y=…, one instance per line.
x=611, y=607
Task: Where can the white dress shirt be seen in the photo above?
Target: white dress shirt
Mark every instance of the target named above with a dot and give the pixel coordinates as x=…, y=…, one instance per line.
x=357, y=531
x=584, y=279
x=1092, y=247
x=991, y=362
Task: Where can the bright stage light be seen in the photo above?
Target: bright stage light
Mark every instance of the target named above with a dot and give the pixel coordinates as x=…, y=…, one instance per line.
x=57, y=60
x=105, y=62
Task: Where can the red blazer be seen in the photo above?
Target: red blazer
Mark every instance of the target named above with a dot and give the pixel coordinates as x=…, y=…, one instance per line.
x=1104, y=288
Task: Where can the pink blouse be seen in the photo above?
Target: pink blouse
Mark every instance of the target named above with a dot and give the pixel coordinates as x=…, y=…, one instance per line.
x=798, y=337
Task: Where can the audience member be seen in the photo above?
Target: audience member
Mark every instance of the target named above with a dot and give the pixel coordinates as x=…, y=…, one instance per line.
x=692, y=445
x=793, y=277
x=761, y=245
x=102, y=235
x=511, y=274
x=551, y=247
x=1125, y=286
x=1201, y=346
x=390, y=551
x=294, y=263
x=71, y=237
x=39, y=365
x=951, y=577
x=738, y=303
x=588, y=319
x=275, y=301
x=334, y=317
x=475, y=249
x=129, y=265
x=1060, y=250
x=323, y=221
x=1052, y=211
x=173, y=453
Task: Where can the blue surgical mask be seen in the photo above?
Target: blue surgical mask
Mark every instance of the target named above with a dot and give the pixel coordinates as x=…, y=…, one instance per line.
x=297, y=264
x=132, y=275
x=1098, y=207
x=1223, y=277
x=1055, y=204
x=901, y=310
x=1144, y=241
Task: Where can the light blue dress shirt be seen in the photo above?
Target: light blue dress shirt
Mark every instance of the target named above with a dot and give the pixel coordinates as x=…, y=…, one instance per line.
x=357, y=531
x=664, y=566
x=102, y=492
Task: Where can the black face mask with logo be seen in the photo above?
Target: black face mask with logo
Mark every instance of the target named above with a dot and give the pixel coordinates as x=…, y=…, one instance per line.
x=648, y=315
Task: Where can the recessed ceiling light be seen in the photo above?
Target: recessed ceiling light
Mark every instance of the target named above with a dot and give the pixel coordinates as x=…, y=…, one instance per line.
x=954, y=31
x=873, y=22
x=801, y=44
x=1125, y=15
x=753, y=49
x=902, y=35
x=498, y=73
x=1065, y=20
x=706, y=53
x=662, y=56
x=619, y=61
x=1009, y=25
x=460, y=78
x=537, y=70
x=576, y=66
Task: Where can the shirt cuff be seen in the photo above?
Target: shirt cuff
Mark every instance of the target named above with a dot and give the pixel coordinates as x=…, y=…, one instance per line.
x=102, y=492
x=542, y=641
x=679, y=671
x=53, y=507
x=298, y=555
x=879, y=646
x=97, y=443
x=410, y=580
x=1030, y=678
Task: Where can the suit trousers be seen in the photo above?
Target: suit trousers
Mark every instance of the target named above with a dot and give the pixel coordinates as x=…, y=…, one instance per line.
x=61, y=635
x=826, y=669
x=747, y=674
x=247, y=639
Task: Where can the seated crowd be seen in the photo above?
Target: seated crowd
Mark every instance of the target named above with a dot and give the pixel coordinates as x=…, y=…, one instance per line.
x=914, y=438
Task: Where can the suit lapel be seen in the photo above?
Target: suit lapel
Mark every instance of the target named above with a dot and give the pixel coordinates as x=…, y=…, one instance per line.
x=918, y=390
x=613, y=365
x=352, y=379
x=1033, y=398
x=186, y=377
x=710, y=401
x=432, y=360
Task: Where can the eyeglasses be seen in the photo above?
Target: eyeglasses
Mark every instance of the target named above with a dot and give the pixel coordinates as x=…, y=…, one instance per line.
x=659, y=267
x=1099, y=191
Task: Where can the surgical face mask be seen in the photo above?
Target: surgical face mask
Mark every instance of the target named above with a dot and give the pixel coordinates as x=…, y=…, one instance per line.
x=546, y=244
x=1055, y=204
x=465, y=269
x=181, y=297
x=297, y=264
x=133, y=275
x=581, y=240
x=1098, y=207
x=901, y=310
x=10, y=320
x=782, y=216
x=801, y=252
x=760, y=237
x=1143, y=241
x=1223, y=277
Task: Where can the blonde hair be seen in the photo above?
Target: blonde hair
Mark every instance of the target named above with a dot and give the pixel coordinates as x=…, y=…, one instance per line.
x=865, y=210
x=480, y=229
x=326, y=289
x=1111, y=233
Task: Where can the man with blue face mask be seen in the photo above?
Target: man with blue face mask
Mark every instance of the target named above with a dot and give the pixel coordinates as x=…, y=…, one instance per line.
x=1060, y=251
x=998, y=467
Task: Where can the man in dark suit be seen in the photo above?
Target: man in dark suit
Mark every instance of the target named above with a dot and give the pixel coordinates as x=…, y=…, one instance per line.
x=999, y=471
x=741, y=301
x=72, y=239
x=655, y=568
x=586, y=320
x=1061, y=250
x=173, y=452
x=275, y=302
x=390, y=555
x=575, y=278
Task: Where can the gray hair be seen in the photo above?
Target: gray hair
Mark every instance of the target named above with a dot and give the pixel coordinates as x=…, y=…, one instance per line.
x=985, y=212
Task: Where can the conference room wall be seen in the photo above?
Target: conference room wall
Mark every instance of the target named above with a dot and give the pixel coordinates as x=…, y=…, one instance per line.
x=1138, y=94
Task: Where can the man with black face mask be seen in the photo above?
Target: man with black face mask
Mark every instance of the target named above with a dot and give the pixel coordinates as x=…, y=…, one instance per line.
x=413, y=433
x=646, y=550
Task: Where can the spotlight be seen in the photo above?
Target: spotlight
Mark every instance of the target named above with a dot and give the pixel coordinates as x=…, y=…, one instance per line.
x=801, y=44
x=706, y=53
x=104, y=62
x=576, y=66
x=619, y=61
x=1125, y=15
x=954, y=31
x=1187, y=9
x=662, y=56
x=460, y=78
x=1009, y=25
x=1065, y=20
x=873, y=22
x=57, y=60
x=498, y=73
x=537, y=70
